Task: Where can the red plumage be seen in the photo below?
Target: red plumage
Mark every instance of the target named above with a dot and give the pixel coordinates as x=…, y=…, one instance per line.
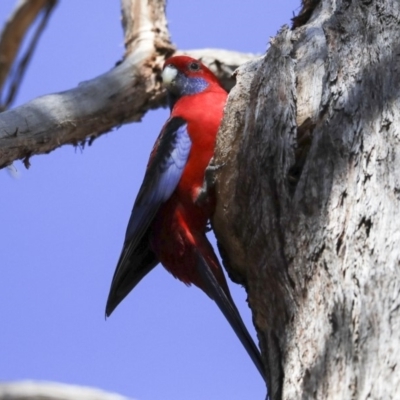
x=167, y=223
x=181, y=223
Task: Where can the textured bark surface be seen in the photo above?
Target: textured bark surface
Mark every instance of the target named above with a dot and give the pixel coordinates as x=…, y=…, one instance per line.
x=308, y=189
x=309, y=195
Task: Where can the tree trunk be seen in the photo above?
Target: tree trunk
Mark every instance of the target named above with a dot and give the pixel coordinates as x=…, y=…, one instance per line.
x=307, y=193
x=308, y=200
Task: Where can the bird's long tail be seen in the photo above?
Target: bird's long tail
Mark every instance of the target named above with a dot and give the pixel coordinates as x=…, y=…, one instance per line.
x=229, y=310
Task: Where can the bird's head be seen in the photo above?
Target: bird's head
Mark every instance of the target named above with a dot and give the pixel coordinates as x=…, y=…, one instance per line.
x=185, y=76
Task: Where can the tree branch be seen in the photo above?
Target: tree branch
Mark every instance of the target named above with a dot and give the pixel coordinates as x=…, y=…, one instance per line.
x=119, y=96
x=11, y=39
x=30, y=390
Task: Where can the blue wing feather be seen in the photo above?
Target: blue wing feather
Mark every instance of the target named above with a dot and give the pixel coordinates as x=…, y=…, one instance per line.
x=167, y=162
x=162, y=176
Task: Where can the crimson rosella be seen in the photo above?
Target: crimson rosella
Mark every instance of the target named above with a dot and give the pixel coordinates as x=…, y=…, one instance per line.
x=168, y=224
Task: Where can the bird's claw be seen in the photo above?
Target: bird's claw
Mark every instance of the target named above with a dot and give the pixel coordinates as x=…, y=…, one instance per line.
x=208, y=182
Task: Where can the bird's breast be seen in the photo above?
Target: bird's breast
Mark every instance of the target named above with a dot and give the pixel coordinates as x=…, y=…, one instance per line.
x=203, y=113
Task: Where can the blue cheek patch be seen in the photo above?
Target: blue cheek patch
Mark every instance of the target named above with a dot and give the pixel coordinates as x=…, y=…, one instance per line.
x=193, y=86
x=185, y=87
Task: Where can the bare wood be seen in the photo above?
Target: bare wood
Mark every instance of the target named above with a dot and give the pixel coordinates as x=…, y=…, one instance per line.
x=226, y=148
x=32, y=390
x=120, y=96
x=13, y=33
x=149, y=26
x=94, y=107
x=309, y=202
x=308, y=192
x=242, y=222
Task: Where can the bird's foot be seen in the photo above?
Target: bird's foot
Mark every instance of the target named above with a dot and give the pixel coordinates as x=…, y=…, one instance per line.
x=208, y=183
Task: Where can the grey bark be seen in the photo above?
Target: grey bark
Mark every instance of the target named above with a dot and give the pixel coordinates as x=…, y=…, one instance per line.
x=308, y=198
x=119, y=96
x=308, y=201
x=30, y=390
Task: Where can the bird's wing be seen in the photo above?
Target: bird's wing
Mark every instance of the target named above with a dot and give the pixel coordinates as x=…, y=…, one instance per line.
x=165, y=168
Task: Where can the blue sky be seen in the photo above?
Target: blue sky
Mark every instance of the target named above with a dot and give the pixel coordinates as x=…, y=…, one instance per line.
x=63, y=223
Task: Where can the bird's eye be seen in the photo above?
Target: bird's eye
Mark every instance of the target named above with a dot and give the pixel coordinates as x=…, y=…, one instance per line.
x=194, y=66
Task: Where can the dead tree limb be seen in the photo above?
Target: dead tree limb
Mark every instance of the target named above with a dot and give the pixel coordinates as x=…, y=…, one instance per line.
x=119, y=96
x=32, y=390
x=11, y=37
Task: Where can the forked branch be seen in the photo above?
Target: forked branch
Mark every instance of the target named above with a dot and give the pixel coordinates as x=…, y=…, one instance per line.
x=119, y=96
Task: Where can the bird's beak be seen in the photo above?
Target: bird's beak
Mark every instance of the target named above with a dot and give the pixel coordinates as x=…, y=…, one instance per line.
x=169, y=74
